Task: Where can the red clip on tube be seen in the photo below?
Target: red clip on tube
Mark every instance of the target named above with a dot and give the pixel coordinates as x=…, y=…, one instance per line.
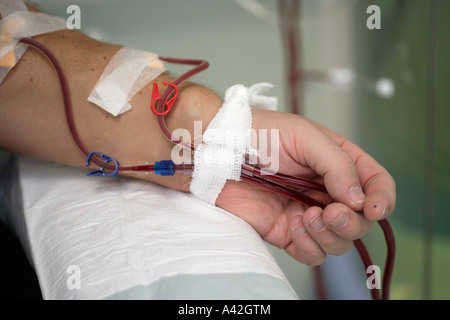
x=157, y=97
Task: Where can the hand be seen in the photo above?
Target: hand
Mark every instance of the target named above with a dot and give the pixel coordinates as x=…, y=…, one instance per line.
x=361, y=191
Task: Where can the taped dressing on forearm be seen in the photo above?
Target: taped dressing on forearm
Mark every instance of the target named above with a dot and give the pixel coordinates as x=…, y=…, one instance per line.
x=128, y=71
x=227, y=141
x=19, y=23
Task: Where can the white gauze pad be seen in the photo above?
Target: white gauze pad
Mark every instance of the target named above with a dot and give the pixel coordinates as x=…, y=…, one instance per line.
x=18, y=23
x=127, y=72
x=227, y=140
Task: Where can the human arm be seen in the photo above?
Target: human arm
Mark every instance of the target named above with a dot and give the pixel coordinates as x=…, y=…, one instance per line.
x=34, y=124
x=33, y=119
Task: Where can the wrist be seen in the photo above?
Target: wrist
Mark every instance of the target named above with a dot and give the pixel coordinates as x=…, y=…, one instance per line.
x=193, y=103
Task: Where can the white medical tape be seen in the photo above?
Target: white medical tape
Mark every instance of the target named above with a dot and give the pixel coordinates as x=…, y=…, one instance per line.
x=227, y=140
x=128, y=71
x=18, y=23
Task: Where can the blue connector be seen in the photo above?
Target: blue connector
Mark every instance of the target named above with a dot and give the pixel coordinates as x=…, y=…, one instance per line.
x=164, y=168
x=101, y=172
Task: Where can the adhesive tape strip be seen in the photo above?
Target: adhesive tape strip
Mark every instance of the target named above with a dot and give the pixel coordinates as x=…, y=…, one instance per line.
x=21, y=24
x=128, y=71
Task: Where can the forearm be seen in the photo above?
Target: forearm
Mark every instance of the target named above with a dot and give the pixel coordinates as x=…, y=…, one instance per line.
x=33, y=120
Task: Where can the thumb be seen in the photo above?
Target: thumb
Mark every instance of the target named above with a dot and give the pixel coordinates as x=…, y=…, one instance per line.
x=328, y=159
x=342, y=182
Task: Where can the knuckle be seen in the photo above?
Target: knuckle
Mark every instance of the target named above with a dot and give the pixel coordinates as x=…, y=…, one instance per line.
x=345, y=164
x=311, y=259
x=340, y=249
x=317, y=262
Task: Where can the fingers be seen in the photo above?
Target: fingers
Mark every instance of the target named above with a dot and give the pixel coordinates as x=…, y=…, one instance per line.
x=362, y=191
x=351, y=176
x=318, y=232
x=379, y=188
x=312, y=238
x=303, y=247
x=344, y=222
x=378, y=185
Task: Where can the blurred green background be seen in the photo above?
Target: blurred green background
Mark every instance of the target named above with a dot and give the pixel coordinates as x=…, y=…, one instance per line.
x=409, y=134
x=396, y=106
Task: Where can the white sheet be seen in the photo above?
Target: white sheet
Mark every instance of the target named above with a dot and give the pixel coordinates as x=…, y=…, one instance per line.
x=95, y=237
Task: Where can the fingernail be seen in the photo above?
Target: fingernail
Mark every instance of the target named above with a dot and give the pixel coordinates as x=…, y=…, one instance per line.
x=382, y=209
x=299, y=229
x=317, y=222
x=339, y=221
x=356, y=194
x=383, y=213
